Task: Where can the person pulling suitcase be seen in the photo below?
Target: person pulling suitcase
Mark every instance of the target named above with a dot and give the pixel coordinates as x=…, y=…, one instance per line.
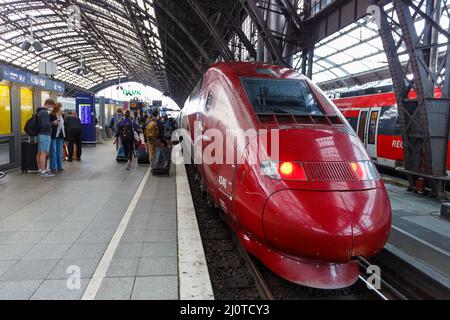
x=152, y=134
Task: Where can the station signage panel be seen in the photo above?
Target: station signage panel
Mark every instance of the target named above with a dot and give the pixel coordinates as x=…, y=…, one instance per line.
x=30, y=79
x=157, y=103
x=38, y=81
x=14, y=75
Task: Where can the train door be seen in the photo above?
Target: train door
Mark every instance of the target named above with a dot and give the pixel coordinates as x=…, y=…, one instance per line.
x=362, y=122
x=368, y=128
x=372, y=129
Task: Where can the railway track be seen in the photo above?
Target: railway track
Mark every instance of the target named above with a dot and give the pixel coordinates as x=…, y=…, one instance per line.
x=386, y=291
x=237, y=275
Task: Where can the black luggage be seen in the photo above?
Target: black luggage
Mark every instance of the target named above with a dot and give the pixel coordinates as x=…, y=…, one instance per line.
x=161, y=161
x=28, y=157
x=142, y=155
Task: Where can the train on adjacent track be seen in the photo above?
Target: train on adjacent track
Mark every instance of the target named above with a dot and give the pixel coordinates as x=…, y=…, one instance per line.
x=300, y=193
x=373, y=114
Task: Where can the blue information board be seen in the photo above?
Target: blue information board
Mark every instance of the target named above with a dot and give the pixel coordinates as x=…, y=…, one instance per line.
x=85, y=104
x=15, y=75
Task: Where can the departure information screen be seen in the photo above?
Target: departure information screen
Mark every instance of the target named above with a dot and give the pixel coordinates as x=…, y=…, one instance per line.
x=85, y=113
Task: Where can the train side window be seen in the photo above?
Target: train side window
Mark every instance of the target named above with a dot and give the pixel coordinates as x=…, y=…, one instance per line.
x=362, y=125
x=209, y=101
x=371, y=137
x=389, y=122
x=353, y=121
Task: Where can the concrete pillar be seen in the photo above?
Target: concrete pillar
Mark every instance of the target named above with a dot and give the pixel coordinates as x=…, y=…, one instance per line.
x=37, y=98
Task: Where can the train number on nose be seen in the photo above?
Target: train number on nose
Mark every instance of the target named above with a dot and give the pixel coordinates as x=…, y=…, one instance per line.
x=223, y=182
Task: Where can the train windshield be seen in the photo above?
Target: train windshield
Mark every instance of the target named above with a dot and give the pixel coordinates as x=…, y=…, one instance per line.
x=281, y=96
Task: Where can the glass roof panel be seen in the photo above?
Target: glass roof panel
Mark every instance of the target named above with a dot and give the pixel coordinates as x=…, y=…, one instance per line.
x=107, y=39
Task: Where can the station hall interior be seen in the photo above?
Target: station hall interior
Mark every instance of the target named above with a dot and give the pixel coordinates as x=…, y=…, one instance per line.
x=117, y=119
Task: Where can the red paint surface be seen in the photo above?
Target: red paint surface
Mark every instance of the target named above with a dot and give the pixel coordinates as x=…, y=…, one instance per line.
x=305, y=231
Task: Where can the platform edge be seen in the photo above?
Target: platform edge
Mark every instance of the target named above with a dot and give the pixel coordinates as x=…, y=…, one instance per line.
x=194, y=280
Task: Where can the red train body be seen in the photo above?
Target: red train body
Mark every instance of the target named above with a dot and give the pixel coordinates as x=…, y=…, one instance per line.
x=374, y=117
x=311, y=210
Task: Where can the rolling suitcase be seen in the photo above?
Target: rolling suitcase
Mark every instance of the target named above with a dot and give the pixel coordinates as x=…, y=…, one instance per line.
x=161, y=161
x=28, y=157
x=121, y=155
x=142, y=155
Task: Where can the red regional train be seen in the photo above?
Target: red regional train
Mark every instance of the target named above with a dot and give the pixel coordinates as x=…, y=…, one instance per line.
x=374, y=117
x=310, y=211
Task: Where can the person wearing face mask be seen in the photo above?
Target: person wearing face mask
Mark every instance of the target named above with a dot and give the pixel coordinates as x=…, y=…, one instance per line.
x=58, y=134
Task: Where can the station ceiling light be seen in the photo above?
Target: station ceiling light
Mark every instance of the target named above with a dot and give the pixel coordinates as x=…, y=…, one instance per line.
x=30, y=41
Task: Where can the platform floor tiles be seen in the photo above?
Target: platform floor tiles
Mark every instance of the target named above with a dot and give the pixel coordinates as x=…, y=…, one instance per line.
x=54, y=231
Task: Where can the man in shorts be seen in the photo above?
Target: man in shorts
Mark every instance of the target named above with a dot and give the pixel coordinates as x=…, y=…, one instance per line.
x=44, y=137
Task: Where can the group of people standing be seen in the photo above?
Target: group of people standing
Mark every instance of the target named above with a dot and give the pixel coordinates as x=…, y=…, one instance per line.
x=53, y=129
x=156, y=131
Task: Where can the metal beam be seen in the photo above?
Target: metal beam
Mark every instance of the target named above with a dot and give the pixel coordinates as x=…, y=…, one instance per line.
x=225, y=50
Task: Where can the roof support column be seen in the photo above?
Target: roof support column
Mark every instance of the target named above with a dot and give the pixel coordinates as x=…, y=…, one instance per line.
x=424, y=120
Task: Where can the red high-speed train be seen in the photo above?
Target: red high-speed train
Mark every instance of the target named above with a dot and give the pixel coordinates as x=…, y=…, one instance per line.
x=374, y=117
x=308, y=212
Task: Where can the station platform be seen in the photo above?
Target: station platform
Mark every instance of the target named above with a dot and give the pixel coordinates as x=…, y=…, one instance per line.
x=419, y=235
x=97, y=231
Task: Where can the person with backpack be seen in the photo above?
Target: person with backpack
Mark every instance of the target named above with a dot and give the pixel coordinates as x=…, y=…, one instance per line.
x=44, y=132
x=74, y=129
x=126, y=131
x=58, y=135
x=116, y=119
x=170, y=126
x=152, y=134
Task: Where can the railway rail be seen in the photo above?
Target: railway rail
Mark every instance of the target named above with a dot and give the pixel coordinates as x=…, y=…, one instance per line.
x=237, y=275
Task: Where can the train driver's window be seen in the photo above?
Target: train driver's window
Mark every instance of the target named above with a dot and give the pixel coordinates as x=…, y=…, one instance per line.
x=209, y=101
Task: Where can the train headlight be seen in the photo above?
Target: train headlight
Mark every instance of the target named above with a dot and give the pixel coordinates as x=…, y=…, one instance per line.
x=365, y=170
x=284, y=170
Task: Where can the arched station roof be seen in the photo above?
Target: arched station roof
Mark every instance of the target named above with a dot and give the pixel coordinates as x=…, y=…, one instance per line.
x=160, y=43
x=167, y=44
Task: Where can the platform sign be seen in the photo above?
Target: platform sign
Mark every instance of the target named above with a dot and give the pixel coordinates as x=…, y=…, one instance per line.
x=30, y=79
x=38, y=81
x=85, y=105
x=157, y=103
x=14, y=75
x=57, y=86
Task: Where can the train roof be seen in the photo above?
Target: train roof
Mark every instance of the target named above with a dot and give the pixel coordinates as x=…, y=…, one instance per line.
x=255, y=69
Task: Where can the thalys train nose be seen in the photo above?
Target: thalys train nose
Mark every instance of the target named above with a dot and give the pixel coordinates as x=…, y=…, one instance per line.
x=327, y=225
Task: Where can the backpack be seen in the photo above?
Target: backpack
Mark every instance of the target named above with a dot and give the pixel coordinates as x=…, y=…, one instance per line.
x=152, y=129
x=118, y=118
x=168, y=129
x=32, y=126
x=126, y=132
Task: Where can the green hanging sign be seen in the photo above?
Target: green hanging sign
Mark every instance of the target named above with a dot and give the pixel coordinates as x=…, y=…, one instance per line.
x=132, y=93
